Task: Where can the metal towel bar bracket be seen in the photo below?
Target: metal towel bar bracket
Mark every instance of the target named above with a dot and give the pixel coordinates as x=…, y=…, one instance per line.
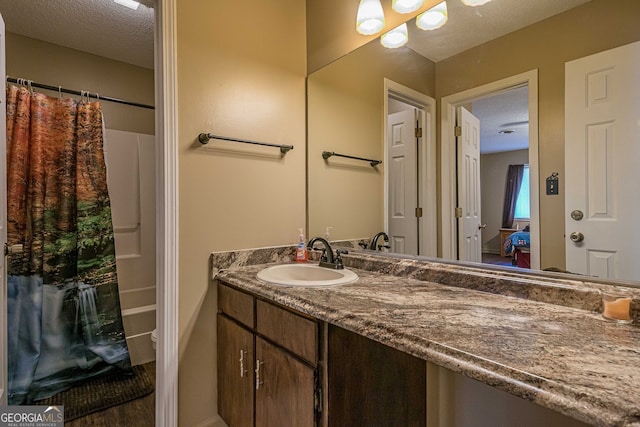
x=204, y=138
x=327, y=154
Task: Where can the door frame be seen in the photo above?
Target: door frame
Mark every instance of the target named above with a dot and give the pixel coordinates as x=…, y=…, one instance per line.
x=4, y=376
x=167, y=205
x=448, y=174
x=427, y=175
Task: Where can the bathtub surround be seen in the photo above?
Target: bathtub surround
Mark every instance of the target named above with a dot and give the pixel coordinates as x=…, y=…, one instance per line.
x=539, y=338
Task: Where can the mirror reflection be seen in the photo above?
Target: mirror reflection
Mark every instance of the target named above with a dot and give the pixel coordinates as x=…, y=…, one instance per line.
x=512, y=80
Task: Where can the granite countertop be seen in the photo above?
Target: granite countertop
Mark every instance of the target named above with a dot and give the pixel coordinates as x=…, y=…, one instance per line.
x=563, y=357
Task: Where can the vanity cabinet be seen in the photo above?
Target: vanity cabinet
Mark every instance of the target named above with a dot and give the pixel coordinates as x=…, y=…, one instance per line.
x=281, y=368
x=267, y=363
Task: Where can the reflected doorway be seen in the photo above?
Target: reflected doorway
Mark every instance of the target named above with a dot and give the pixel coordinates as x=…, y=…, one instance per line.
x=410, y=171
x=482, y=101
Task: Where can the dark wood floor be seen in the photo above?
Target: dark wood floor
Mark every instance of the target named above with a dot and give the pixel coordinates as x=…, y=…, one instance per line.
x=137, y=413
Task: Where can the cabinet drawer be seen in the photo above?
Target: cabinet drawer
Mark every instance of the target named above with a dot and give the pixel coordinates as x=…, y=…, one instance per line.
x=295, y=333
x=236, y=304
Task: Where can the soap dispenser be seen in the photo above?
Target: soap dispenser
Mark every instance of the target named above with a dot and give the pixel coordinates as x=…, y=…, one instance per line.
x=302, y=255
x=327, y=234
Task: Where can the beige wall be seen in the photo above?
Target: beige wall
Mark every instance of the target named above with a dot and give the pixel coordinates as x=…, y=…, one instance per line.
x=493, y=175
x=241, y=73
x=596, y=26
x=59, y=66
x=345, y=110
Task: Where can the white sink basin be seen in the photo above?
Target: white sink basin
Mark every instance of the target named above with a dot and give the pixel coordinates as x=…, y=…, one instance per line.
x=306, y=275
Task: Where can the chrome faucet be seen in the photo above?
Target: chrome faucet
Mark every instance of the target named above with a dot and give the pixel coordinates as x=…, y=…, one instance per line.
x=326, y=259
x=374, y=242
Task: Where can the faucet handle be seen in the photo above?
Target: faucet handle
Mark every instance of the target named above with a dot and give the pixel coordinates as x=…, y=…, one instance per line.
x=338, y=261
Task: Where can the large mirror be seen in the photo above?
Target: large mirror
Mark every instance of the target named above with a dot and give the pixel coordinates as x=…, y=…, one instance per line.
x=352, y=103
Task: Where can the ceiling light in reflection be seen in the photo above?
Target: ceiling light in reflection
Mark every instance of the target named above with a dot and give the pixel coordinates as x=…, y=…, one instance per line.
x=433, y=18
x=475, y=2
x=406, y=6
x=370, y=18
x=396, y=37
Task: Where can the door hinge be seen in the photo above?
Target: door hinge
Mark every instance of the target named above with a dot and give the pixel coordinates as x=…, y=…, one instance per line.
x=418, y=132
x=418, y=212
x=458, y=212
x=458, y=131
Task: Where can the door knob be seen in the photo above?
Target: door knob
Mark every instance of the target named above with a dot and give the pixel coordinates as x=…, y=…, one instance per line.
x=576, y=237
x=482, y=226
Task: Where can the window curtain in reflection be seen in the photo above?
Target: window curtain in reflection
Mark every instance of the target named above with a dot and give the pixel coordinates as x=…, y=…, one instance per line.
x=514, y=181
x=64, y=318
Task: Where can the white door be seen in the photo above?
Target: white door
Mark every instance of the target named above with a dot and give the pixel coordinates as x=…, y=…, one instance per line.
x=403, y=182
x=602, y=149
x=469, y=226
x=3, y=223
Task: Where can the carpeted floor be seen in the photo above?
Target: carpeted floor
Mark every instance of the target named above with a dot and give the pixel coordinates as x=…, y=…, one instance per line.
x=496, y=259
x=101, y=393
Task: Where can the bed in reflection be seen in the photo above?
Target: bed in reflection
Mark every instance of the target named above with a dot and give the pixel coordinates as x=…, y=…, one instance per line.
x=518, y=246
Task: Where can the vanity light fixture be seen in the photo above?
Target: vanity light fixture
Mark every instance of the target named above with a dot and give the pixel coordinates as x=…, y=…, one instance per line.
x=475, y=2
x=397, y=37
x=433, y=18
x=370, y=17
x=406, y=6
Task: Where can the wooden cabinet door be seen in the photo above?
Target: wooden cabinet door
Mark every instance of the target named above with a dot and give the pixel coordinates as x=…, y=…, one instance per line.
x=370, y=384
x=235, y=373
x=284, y=389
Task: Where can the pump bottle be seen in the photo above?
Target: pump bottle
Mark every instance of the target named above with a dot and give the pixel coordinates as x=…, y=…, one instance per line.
x=302, y=255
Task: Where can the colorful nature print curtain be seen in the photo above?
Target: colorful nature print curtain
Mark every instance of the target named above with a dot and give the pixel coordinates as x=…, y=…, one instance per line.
x=64, y=318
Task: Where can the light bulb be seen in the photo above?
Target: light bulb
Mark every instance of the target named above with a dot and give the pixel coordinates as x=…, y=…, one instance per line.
x=433, y=18
x=370, y=18
x=406, y=6
x=475, y=2
x=397, y=37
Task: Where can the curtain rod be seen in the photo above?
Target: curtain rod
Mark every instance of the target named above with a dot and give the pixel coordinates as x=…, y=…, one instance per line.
x=77, y=92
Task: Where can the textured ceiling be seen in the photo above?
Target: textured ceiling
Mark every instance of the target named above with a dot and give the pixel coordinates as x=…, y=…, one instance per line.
x=108, y=29
x=468, y=27
x=506, y=111
x=101, y=27
x=105, y=28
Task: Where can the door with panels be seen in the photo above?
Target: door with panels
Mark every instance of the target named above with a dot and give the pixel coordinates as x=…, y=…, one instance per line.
x=602, y=149
x=469, y=212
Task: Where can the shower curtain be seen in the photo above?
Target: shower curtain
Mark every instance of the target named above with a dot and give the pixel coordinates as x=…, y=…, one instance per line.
x=64, y=318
